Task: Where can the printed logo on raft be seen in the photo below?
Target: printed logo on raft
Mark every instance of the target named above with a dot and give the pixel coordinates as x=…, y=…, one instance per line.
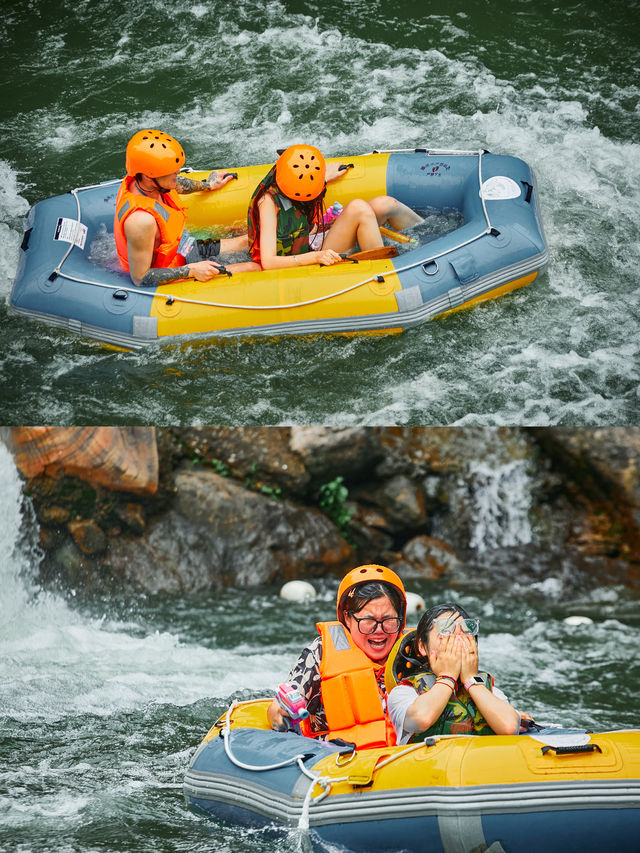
x=435, y=170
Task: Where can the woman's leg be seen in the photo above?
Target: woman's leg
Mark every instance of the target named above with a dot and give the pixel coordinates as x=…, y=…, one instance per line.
x=397, y=214
x=357, y=222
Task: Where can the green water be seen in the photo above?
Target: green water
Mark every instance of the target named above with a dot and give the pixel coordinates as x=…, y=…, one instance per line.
x=556, y=85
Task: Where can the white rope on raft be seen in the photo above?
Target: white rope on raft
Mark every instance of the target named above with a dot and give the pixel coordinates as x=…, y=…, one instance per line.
x=170, y=297
x=325, y=782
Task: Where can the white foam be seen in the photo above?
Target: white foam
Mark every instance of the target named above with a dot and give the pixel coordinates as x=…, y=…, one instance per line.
x=13, y=206
x=56, y=662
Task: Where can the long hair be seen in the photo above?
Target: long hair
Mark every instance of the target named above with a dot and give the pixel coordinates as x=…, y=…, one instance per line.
x=313, y=210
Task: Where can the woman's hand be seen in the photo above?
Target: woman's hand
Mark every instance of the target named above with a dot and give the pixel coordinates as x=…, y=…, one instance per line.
x=446, y=661
x=203, y=270
x=326, y=257
x=468, y=658
x=276, y=715
x=334, y=171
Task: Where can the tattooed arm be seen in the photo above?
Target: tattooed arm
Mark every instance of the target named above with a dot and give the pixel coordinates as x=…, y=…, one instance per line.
x=214, y=181
x=141, y=230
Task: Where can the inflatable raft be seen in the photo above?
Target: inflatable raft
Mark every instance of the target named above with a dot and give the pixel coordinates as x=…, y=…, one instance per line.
x=68, y=279
x=553, y=791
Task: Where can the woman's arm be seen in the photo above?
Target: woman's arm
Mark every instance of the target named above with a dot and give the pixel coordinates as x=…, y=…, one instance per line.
x=305, y=678
x=269, y=257
x=500, y=715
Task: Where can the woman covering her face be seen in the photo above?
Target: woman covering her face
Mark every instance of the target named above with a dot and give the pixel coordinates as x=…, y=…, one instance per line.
x=444, y=692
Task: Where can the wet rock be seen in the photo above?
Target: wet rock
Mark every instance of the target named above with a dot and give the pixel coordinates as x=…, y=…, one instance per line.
x=400, y=500
x=261, y=455
x=119, y=458
x=427, y=557
x=417, y=451
x=54, y=515
x=327, y=452
x=221, y=534
x=132, y=515
x=88, y=536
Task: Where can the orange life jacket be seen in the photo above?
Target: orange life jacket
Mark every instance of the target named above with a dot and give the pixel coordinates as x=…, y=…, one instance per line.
x=350, y=692
x=169, y=215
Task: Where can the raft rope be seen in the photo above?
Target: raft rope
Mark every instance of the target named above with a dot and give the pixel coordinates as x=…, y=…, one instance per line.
x=170, y=298
x=325, y=782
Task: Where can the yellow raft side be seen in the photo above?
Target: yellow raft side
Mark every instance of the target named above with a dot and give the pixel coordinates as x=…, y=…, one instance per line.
x=462, y=760
x=228, y=206
x=313, y=292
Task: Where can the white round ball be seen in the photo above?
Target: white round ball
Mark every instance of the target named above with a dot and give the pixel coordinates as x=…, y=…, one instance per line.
x=578, y=620
x=297, y=591
x=415, y=602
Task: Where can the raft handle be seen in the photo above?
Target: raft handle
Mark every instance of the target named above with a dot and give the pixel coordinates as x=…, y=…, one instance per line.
x=428, y=264
x=120, y=294
x=25, y=239
x=568, y=750
x=494, y=232
x=345, y=166
x=53, y=276
x=529, y=189
x=170, y=300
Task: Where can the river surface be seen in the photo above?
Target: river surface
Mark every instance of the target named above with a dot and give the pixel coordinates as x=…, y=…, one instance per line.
x=556, y=84
x=103, y=702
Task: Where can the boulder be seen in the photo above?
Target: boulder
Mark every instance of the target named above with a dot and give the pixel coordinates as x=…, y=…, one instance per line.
x=221, y=534
x=427, y=557
x=399, y=500
x=328, y=452
x=119, y=458
x=260, y=455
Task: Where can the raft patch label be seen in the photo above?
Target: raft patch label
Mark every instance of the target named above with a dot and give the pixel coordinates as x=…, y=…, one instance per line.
x=435, y=170
x=71, y=231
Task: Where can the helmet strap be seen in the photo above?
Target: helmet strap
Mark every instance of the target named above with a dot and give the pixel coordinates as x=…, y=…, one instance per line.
x=161, y=190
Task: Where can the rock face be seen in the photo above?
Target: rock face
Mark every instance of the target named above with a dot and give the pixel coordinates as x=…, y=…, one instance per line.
x=219, y=534
x=186, y=510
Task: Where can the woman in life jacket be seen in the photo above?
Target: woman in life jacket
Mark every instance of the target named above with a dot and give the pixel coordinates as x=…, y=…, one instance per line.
x=285, y=215
x=340, y=673
x=439, y=689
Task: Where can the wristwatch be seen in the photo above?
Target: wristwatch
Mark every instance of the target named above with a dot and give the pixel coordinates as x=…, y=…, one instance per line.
x=475, y=679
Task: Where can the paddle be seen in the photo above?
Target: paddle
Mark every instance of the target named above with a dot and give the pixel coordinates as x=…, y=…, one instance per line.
x=371, y=254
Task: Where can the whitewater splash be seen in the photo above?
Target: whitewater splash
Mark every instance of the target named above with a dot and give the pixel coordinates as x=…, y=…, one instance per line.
x=55, y=661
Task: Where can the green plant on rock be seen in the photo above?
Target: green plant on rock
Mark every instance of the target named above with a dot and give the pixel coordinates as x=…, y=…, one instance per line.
x=333, y=496
x=251, y=482
x=219, y=467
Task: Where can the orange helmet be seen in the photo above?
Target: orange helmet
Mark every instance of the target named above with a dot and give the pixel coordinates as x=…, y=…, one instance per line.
x=370, y=573
x=300, y=172
x=154, y=153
